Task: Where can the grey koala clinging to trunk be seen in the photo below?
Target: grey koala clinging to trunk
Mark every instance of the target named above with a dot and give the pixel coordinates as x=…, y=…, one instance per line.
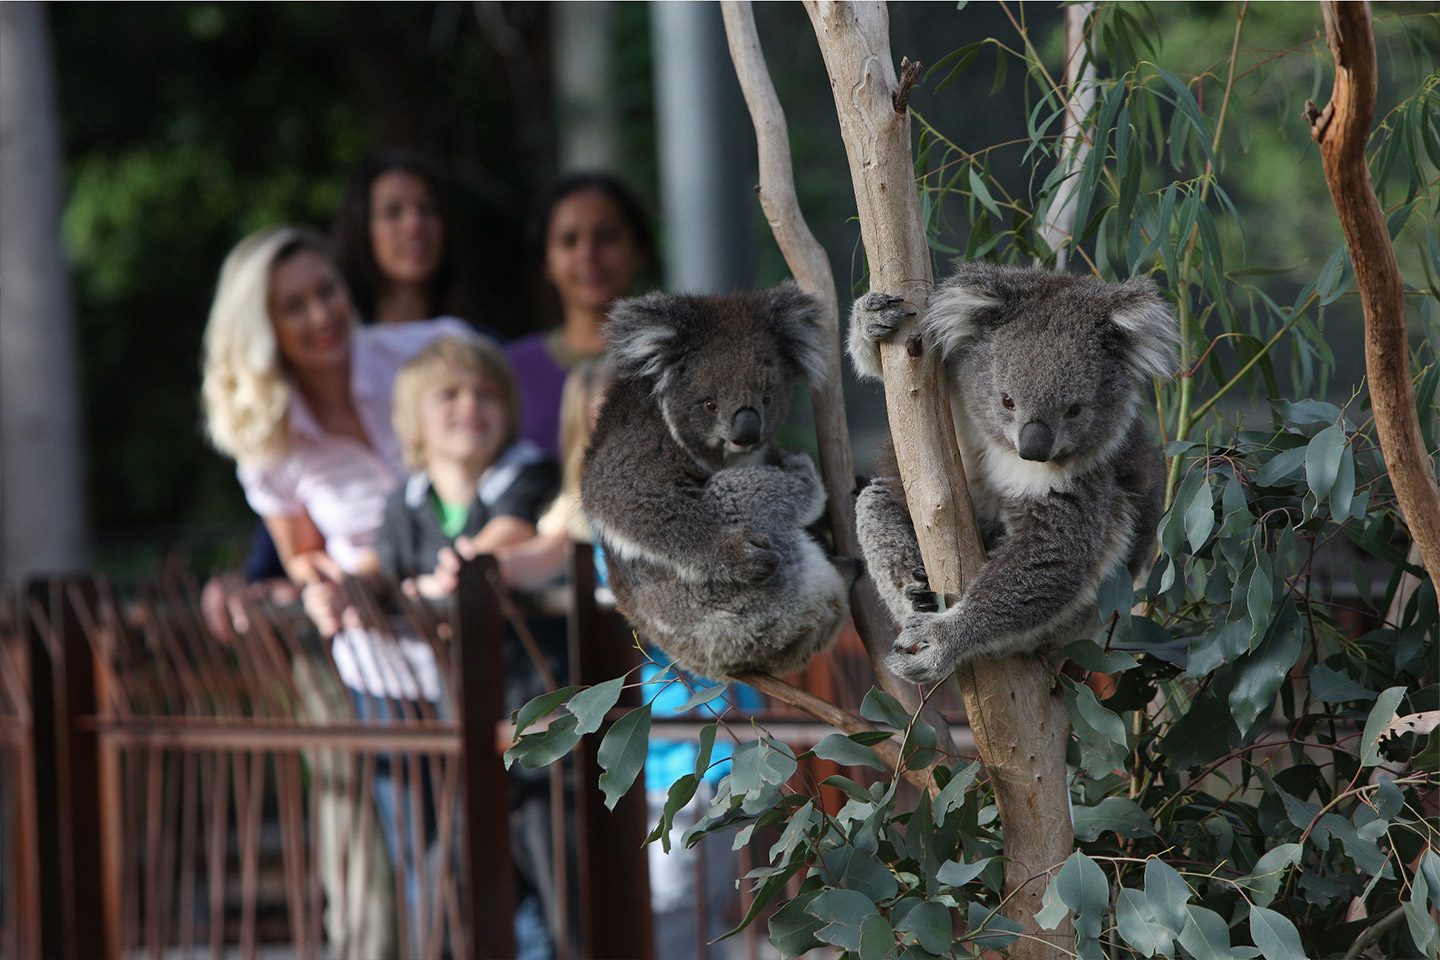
x=1045, y=372
x=701, y=518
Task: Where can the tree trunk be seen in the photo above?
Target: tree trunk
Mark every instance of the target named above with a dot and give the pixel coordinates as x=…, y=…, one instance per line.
x=42, y=490
x=1019, y=719
x=811, y=268
x=1342, y=130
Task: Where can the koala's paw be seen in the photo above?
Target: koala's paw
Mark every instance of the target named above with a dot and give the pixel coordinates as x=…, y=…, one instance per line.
x=922, y=599
x=798, y=464
x=880, y=315
x=920, y=654
x=755, y=559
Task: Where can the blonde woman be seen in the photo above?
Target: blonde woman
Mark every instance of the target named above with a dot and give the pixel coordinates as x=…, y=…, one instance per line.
x=299, y=395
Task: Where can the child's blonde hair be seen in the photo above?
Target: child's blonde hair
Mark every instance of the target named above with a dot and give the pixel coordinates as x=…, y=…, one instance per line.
x=432, y=367
x=583, y=387
x=243, y=389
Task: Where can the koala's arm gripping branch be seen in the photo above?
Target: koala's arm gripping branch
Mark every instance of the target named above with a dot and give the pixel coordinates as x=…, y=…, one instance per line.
x=1020, y=723
x=1342, y=130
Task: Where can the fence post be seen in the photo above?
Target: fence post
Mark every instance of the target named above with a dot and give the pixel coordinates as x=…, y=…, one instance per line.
x=488, y=898
x=67, y=801
x=615, y=920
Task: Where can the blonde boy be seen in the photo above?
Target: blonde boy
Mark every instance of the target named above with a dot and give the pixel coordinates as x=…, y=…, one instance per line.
x=476, y=488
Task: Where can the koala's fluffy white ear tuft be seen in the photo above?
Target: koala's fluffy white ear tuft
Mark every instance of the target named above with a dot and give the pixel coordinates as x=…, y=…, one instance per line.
x=950, y=320
x=642, y=335
x=1154, y=335
x=796, y=318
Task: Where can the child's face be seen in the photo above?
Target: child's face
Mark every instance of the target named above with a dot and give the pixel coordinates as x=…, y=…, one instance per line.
x=462, y=420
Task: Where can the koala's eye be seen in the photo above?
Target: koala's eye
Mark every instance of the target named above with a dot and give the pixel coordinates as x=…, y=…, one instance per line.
x=765, y=399
x=1005, y=399
x=710, y=405
x=1074, y=410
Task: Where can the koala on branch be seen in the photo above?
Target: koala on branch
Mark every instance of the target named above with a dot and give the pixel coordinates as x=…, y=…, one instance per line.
x=702, y=518
x=1045, y=372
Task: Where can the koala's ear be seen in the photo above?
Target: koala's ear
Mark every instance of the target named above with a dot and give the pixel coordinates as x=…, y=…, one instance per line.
x=957, y=305
x=643, y=337
x=1153, y=334
x=795, y=318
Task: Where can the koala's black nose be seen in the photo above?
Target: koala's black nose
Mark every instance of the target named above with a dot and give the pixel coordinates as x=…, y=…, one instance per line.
x=745, y=428
x=1035, y=441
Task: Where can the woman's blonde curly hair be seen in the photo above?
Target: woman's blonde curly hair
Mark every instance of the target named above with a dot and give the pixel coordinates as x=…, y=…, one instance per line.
x=243, y=389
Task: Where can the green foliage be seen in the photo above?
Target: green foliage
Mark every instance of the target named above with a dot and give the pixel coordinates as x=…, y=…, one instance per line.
x=1237, y=792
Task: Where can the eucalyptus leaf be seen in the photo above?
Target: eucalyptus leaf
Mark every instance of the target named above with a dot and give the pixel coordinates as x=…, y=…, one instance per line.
x=1331, y=686
x=955, y=874
x=991, y=929
x=879, y=707
x=1137, y=925
x=1380, y=716
x=1167, y=893
x=622, y=753
x=929, y=923
x=1119, y=815
x=541, y=706
x=1275, y=935
x=1200, y=514
x=1206, y=934
x=535, y=750
x=1081, y=884
x=1264, y=881
x=841, y=749
x=591, y=704
x=1322, y=460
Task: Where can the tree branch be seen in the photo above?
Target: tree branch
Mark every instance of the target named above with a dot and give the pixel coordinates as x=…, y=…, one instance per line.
x=1020, y=723
x=1342, y=130
x=810, y=266
x=841, y=719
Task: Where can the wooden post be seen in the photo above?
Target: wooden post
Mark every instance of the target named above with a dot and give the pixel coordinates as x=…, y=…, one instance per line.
x=1018, y=716
x=615, y=920
x=67, y=785
x=488, y=898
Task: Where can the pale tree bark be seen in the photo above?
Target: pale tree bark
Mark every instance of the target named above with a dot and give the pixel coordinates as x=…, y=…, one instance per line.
x=1017, y=714
x=42, y=495
x=1059, y=224
x=810, y=267
x=1342, y=131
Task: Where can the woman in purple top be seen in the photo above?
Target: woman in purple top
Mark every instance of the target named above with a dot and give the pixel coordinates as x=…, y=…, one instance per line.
x=594, y=237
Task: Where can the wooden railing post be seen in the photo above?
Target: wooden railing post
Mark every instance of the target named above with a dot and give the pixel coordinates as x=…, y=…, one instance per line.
x=615, y=920
x=67, y=783
x=488, y=898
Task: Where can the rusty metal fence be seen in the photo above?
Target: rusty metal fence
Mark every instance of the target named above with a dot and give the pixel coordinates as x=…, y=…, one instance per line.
x=163, y=793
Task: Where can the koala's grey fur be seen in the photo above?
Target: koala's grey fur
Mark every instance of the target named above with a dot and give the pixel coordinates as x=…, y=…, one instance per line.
x=701, y=518
x=1045, y=372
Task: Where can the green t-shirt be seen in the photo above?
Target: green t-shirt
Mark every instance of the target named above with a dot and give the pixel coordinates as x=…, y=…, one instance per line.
x=452, y=517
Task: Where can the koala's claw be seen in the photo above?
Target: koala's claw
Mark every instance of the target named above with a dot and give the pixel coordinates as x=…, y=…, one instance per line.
x=882, y=316
x=919, y=654
x=922, y=600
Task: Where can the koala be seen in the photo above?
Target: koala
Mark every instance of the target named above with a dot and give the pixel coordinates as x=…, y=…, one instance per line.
x=701, y=517
x=1046, y=373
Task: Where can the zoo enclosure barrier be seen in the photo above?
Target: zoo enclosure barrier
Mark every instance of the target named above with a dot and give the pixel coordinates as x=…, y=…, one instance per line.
x=160, y=789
